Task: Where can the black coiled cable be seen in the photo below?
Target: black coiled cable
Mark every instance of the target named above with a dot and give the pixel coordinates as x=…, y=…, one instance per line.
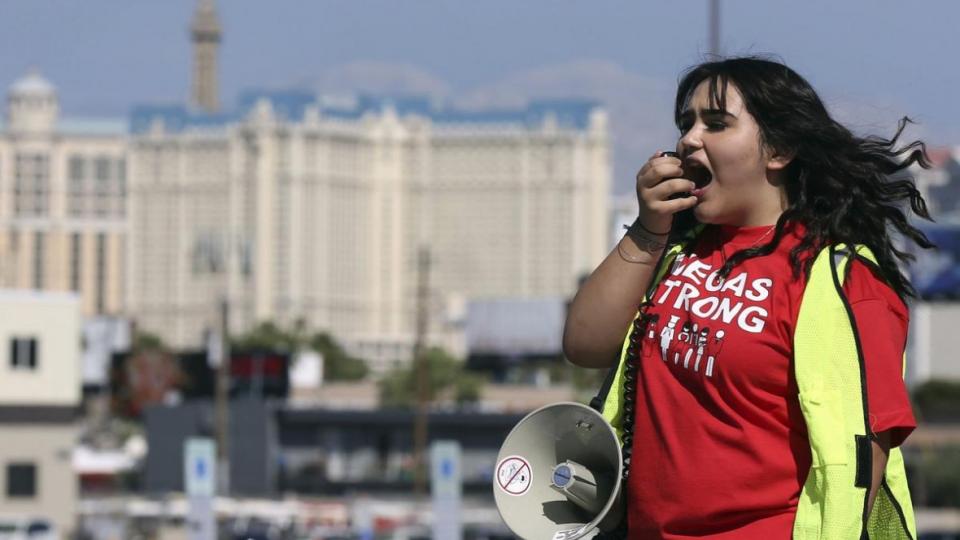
x=630, y=389
x=629, y=408
x=637, y=331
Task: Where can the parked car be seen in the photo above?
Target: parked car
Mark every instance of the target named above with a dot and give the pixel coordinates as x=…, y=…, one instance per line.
x=938, y=535
x=27, y=529
x=321, y=532
x=255, y=529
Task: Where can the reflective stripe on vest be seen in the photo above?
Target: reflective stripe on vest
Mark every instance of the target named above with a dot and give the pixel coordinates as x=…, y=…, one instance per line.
x=828, y=365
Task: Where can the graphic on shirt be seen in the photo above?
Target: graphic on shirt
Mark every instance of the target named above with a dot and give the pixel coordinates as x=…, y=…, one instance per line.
x=691, y=345
x=714, y=351
x=709, y=308
x=683, y=340
x=702, y=338
x=666, y=336
x=650, y=334
x=707, y=296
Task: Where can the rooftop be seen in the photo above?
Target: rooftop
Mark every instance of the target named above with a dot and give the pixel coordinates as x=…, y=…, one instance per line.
x=291, y=105
x=96, y=127
x=32, y=83
x=515, y=326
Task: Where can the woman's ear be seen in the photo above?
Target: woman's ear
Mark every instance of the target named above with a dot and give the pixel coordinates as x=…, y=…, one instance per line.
x=778, y=160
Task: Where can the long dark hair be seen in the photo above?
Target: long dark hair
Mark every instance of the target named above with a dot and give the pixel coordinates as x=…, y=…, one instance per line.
x=841, y=187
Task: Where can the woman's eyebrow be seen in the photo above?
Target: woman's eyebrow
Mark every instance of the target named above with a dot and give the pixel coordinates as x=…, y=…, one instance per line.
x=717, y=112
x=707, y=112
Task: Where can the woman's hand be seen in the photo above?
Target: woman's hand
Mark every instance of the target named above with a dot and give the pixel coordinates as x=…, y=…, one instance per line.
x=607, y=301
x=658, y=180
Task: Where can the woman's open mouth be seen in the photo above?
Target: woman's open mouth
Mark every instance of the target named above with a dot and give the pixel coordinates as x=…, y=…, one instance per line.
x=700, y=175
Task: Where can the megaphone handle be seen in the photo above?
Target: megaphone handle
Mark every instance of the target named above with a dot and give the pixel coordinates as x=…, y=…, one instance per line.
x=596, y=403
x=619, y=533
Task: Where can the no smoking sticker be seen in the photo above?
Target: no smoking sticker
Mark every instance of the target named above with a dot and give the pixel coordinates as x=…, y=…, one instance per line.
x=514, y=475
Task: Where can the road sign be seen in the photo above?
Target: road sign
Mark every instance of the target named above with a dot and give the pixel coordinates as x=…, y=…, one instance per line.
x=199, y=466
x=199, y=480
x=445, y=484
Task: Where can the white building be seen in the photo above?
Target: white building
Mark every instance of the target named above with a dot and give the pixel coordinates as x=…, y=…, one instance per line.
x=102, y=338
x=297, y=207
x=294, y=207
x=39, y=400
x=934, y=341
x=624, y=210
x=62, y=199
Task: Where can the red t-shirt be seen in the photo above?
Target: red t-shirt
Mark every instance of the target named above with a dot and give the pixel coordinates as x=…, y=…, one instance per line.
x=720, y=445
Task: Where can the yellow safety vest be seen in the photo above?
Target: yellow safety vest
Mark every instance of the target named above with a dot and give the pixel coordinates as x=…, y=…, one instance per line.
x=828, y=364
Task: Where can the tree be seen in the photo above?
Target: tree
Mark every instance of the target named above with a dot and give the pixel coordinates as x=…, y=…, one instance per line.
x=144, y=376
x=468, y=388
x=338, y=365
x=445, y=374
x=937, y=400
x=145, y=341
x=940, y=471
x=267, y=335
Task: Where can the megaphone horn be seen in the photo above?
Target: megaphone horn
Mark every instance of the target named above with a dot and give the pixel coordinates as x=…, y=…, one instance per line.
x=558, y=475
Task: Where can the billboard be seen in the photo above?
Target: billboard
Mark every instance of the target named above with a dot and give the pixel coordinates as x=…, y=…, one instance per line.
x=936, y=273
x=145, y=377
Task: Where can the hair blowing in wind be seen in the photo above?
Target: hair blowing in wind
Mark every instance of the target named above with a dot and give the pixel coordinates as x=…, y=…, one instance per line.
x=842, y=187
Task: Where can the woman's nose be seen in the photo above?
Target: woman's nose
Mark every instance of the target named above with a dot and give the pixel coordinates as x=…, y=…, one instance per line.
x=690, y=142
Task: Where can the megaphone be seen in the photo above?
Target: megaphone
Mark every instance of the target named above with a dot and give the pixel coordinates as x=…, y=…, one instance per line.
x=558, y=475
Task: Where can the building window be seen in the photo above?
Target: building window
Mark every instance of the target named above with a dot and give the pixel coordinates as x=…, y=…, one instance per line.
x=21, y=480
x=101, y=168
x=77, y=195
x=23, y=353
x=76, y=167
x=31, y=187
x=208, y=256
x=38, y=253
x=121, y=187
x=101, y=186
x=101, y=272
x=75, y=260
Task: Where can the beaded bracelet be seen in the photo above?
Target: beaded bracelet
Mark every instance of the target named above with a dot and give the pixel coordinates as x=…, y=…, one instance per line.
x=644, y=242
x=626, y=258
x=640, y=224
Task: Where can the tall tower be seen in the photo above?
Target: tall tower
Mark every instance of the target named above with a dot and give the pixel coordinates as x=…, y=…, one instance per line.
x=205, y=32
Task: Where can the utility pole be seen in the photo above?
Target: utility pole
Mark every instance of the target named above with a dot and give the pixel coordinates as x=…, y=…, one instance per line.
x=420, y=367
x=714, y=28
x=222, y=405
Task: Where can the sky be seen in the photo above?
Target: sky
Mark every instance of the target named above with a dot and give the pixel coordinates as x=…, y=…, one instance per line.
x=872, y=61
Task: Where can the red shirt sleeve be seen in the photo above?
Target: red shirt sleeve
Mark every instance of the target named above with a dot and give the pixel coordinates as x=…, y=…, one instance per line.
x=882, y=319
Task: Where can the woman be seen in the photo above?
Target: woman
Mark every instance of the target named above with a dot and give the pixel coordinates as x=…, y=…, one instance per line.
x=765, y=184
